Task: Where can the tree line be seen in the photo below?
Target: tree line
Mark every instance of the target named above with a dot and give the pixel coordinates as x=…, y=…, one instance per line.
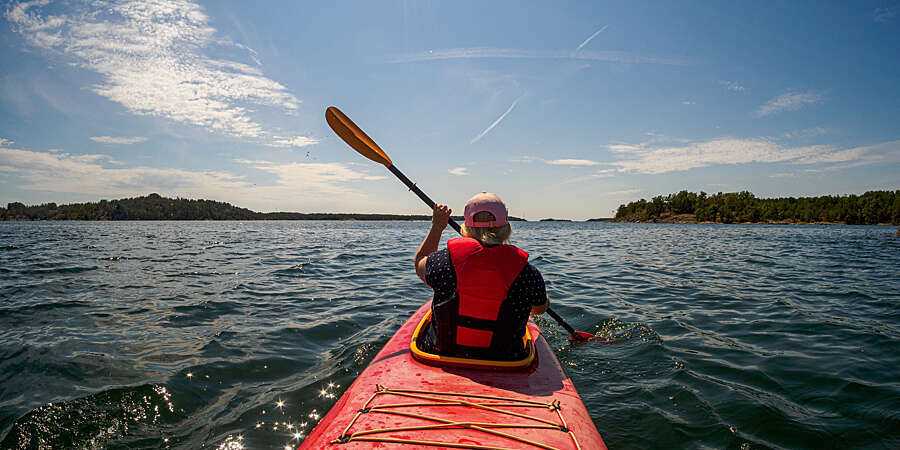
x=873, y=207
x=157, y=207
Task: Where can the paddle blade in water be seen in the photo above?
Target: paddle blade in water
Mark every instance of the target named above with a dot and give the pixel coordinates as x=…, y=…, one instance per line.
x=355, y=137
x=581, y=336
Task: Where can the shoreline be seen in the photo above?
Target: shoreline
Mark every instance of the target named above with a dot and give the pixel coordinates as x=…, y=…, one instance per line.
x=690, y=219
x=427, y=219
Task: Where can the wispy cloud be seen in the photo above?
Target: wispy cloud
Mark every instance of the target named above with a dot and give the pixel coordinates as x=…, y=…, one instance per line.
x=602, y=173
x=458, y=171
x=496, y=122
x=89, y=158
x=626, y=148
x=885, y=14
x=649, y=159
x=733, y=86
x=791, y=101
x=322, y=177
x=294, y=141
x=591, y=37
x=621, y=193
x=297, y=186
x=514, y=53
x=806, y=133
x=151, y=59
x=571, y=162
x=119, y=140
x=785, y=175
x=251, y=162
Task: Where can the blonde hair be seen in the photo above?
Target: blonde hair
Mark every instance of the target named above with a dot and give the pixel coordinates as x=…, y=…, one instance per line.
x=487, y=235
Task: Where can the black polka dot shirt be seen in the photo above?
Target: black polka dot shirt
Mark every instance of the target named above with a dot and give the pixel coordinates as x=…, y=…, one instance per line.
x=528, y=290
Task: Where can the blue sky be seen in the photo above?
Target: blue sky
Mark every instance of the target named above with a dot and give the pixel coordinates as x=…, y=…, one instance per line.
x=566, y=109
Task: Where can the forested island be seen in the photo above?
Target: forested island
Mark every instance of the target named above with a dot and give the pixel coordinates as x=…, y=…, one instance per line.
x=873, y=207
x=157, y=207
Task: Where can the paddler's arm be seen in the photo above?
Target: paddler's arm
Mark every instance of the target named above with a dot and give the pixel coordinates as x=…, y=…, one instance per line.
x=439, y=219
x=535, y=310
x=538, y=291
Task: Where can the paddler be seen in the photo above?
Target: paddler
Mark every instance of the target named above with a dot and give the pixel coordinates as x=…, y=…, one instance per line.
x=484, y=288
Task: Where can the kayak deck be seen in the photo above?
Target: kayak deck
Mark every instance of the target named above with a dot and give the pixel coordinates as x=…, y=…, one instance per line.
x=398, y=402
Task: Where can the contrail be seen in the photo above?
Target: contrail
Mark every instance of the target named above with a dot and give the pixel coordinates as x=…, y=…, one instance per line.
x=496, y=122
x=514, y=53
x=586, y=41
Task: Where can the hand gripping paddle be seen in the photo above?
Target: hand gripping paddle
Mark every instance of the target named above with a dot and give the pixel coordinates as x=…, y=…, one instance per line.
x=364, y=145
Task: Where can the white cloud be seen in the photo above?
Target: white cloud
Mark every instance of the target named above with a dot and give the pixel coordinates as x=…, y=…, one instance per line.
x=5, y=142
x=733, y=86
x=293, y=141
x=625, y=148
x=621, y=193
x=515, y=53
x=250, y=162
x=150, y=58
x=602, y=173
x=293, y=186
x=648, y=159
x=458, y=171
x=119, y=140
x=90, y=158
x=557, y=162
x=571, y=162
x=885, y=14
x=790, y=101
x=323, y=177
x=806, y=133
x=58, y=172
x=784, y=175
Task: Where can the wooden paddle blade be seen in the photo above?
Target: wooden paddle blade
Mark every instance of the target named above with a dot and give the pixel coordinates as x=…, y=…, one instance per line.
x=355, y=137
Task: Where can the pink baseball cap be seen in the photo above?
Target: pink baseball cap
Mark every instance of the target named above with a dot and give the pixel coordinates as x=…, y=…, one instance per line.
x=486, y=202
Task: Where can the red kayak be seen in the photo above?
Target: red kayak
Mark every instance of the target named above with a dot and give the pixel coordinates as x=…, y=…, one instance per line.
x=406, y=402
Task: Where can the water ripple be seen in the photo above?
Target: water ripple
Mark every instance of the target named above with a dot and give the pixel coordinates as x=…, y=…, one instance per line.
x=240, y=335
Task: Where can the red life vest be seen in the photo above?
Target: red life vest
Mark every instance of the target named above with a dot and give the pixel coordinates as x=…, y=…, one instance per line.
x=483, y=278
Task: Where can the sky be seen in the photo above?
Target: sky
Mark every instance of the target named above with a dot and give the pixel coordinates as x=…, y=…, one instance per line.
x=565, y=109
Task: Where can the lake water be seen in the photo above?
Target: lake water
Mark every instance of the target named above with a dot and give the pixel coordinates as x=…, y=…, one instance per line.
x=229, y=335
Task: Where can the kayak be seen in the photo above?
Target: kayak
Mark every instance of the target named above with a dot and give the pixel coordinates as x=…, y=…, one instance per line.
x=403, y=400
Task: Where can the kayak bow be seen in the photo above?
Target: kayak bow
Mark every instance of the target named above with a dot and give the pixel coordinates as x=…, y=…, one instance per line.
x=400, y=402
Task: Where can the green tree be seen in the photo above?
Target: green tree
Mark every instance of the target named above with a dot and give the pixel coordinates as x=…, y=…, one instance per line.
x=869, y=208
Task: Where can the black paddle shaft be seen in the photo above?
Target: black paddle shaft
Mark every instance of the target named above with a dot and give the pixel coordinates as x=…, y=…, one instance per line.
x=560, y=321
x=428, y=201
x=425, y=198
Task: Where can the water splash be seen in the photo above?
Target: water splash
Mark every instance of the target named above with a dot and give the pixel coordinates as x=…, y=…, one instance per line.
x=615, y=331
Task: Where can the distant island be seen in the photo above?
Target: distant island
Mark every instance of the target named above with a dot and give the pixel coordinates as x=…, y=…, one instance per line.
x=873, y=207
x=157, y=207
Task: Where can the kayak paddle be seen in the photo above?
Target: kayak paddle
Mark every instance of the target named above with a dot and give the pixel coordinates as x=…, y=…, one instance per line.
x=356, y=138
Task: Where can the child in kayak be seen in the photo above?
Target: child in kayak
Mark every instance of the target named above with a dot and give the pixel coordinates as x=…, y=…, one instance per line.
x=484, y=288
